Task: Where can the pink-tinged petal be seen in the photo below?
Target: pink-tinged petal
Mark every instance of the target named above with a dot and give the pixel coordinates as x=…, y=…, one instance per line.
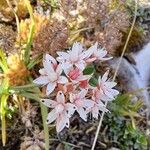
x=51, y=116
x=59, y=70
x=105, y=76
x=110, y=84
x=49, y=103
x=82, y=93
x=82, y=113
x=50, y=88
x=50, y=59
x=62, y=80
x=81, y=65
x=62, y=122
x=60, y=97
x=70, y=109
x=42, y=80
x=83, y=77
x=89, y=60
x=95, y=112
x=88, y=104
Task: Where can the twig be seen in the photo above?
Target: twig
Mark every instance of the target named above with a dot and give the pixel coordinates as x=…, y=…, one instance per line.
x=123, y=51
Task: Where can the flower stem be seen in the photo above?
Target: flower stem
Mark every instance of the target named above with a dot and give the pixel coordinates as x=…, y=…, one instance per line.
x=123, y=51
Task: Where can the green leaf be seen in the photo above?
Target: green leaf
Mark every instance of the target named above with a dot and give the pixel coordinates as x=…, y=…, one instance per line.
x=3, y=62
x=93, y=82
x=31, y=33
x=23, y=87
x=89, y=70
x=142, y=139
x=35, y=61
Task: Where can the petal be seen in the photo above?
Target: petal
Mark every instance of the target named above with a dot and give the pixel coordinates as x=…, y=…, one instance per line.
x=80, y=65
x=82, y=93
x=70, y=109
x=106, y=58
x=48, y=66
x=50, y=88
x=62, y=80
x=110, y=84
x=82, y=113
x=105, y=76
x=114, y=92
x=60, y=97
x=51, y=116
x=109, y=94
x=102, y=107
x=99, y=80
x=49, y=103
x=72, y=97
x=42, y=71
x=62, y=56
x=105, y=98
x=89, y=60
x=62, y=122
x=42, y=80
x=83, y=77
x=51, y=59
x=88, y=104
x=74, y=52
x=95, y=112
x=101, y=53
x=86, y=54
x=59, y=69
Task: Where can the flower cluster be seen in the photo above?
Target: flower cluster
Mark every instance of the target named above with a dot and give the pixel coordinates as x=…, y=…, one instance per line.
x=69, y=86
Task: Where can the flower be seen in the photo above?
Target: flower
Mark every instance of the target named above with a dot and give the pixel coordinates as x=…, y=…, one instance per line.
x=96, y=108
x=105, y=88
x=61, y=111
x=98, y=54
x=81, y=103
x=76, y=75
x=50, y=74
x=74, y=57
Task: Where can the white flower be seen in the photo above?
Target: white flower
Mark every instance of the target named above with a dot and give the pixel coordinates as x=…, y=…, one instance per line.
x=98, y=54
x=61, y=113
x=74, y=57
x=106, y=87
x=81, y=103
x=50, y=74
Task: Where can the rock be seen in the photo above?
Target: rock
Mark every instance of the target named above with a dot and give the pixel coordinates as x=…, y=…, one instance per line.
x=137, y=76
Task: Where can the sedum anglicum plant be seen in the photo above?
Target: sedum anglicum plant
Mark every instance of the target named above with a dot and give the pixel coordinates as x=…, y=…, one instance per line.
x=72, y=87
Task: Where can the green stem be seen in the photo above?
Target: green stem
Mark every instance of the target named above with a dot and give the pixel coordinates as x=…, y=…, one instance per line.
x=44, y=113
x=3, y=120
